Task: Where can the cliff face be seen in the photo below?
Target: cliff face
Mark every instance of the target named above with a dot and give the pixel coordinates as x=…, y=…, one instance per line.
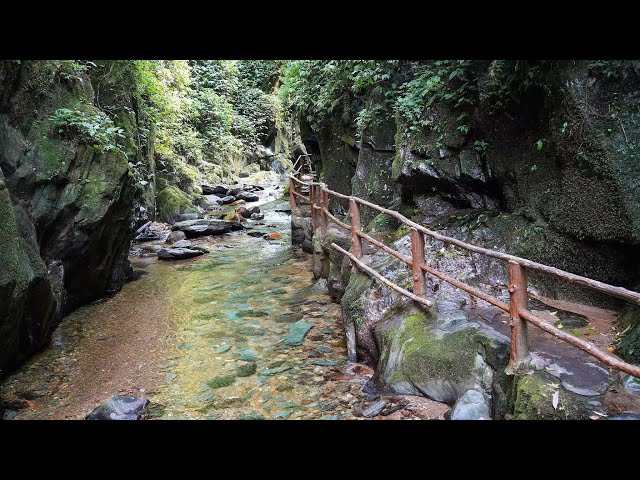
x=552, y=176
x=65, y=204
x=563, y=159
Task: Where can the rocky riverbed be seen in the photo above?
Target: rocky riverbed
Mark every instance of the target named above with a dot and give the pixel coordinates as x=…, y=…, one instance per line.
x=242, y=331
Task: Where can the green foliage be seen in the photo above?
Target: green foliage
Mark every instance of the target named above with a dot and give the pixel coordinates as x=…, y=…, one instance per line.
x=408, y=89
x=95, y=129
x=480, y=146
x=612, y=69
x=509, y=80
x=261, y=74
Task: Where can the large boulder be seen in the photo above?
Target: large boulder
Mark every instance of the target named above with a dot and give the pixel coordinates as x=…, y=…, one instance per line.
x=247, y=197
x=172, y=203
x=202, y=227
x=178, y=253
x=219, y=190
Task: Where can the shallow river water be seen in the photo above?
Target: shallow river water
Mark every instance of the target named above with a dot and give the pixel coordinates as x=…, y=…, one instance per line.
x=202, y=338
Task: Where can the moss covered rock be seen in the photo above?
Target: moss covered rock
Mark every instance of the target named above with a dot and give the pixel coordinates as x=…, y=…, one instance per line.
x=72, y=202
x=171, y=202
x=534, y=395
x=415, y=358
x=27, y=301
x=629, y=346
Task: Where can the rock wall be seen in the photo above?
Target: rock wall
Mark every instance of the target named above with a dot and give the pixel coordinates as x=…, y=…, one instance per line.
x=553, y=177
x=65, y=206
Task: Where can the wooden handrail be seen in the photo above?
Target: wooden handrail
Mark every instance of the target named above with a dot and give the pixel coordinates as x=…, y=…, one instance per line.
x=389, y=283
x=517, y=307
x=618, y=292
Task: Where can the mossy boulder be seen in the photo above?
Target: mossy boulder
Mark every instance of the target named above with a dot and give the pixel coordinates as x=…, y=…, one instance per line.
x=171, y=202
x=27, y=302
x=417, y=359
x=534, y=394
x=629, y=346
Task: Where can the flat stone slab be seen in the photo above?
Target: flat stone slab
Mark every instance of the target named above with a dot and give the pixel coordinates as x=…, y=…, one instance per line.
x=178, y=253
x=182, y=244
x=201, y=227
x=297, y=332
x=219, y=190
x=374, y=409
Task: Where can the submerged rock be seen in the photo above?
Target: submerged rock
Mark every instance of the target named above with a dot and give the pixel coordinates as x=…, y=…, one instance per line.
x=297, y=332
x=246, y=355
x=211, y=201
x=246, y=369
x=221, y=381
x=121, y=407
x=288, y=317
x=178, y=253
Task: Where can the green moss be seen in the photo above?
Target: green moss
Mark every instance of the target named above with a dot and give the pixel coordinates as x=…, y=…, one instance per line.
x=425, y=356
x=534, y=399
x=353, y=298
x=55, y=156
x=171, y=202
x=629, y=346
x=221, y=381
x=8, y=241
x=403, y=231
x=382, y=223
x=396, y=165
x=247, y=369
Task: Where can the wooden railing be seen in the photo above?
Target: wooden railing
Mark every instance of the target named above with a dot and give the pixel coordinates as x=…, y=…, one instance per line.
x=518, y=298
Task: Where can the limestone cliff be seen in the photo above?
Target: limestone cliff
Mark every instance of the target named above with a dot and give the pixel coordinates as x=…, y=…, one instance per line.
x=65, y=203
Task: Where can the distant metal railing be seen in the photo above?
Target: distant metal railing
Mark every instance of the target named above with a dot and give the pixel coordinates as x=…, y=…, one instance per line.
x=518, y=300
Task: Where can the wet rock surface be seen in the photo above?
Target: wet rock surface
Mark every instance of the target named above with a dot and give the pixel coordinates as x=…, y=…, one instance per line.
x=178, y=253
x=203, y=227
x=121, y=407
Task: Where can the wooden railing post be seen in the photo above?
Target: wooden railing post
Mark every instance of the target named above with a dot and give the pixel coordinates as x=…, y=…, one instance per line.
x=356, y=242
x=324, y=203
x=312, y=201
x=517, y=301
x=417, y=258
x=292, y=197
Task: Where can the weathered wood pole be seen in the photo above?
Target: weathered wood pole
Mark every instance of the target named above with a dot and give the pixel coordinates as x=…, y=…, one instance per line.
x=312, y=200
x=356, y=242
x=417, y=258
x=324, y=203
x=292, y=197
x=517, y=301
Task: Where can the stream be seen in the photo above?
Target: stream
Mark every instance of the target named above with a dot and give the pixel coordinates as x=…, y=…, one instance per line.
x=243, y=332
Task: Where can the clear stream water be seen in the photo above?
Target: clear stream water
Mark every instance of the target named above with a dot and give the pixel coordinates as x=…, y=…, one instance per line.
x=202, y=339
